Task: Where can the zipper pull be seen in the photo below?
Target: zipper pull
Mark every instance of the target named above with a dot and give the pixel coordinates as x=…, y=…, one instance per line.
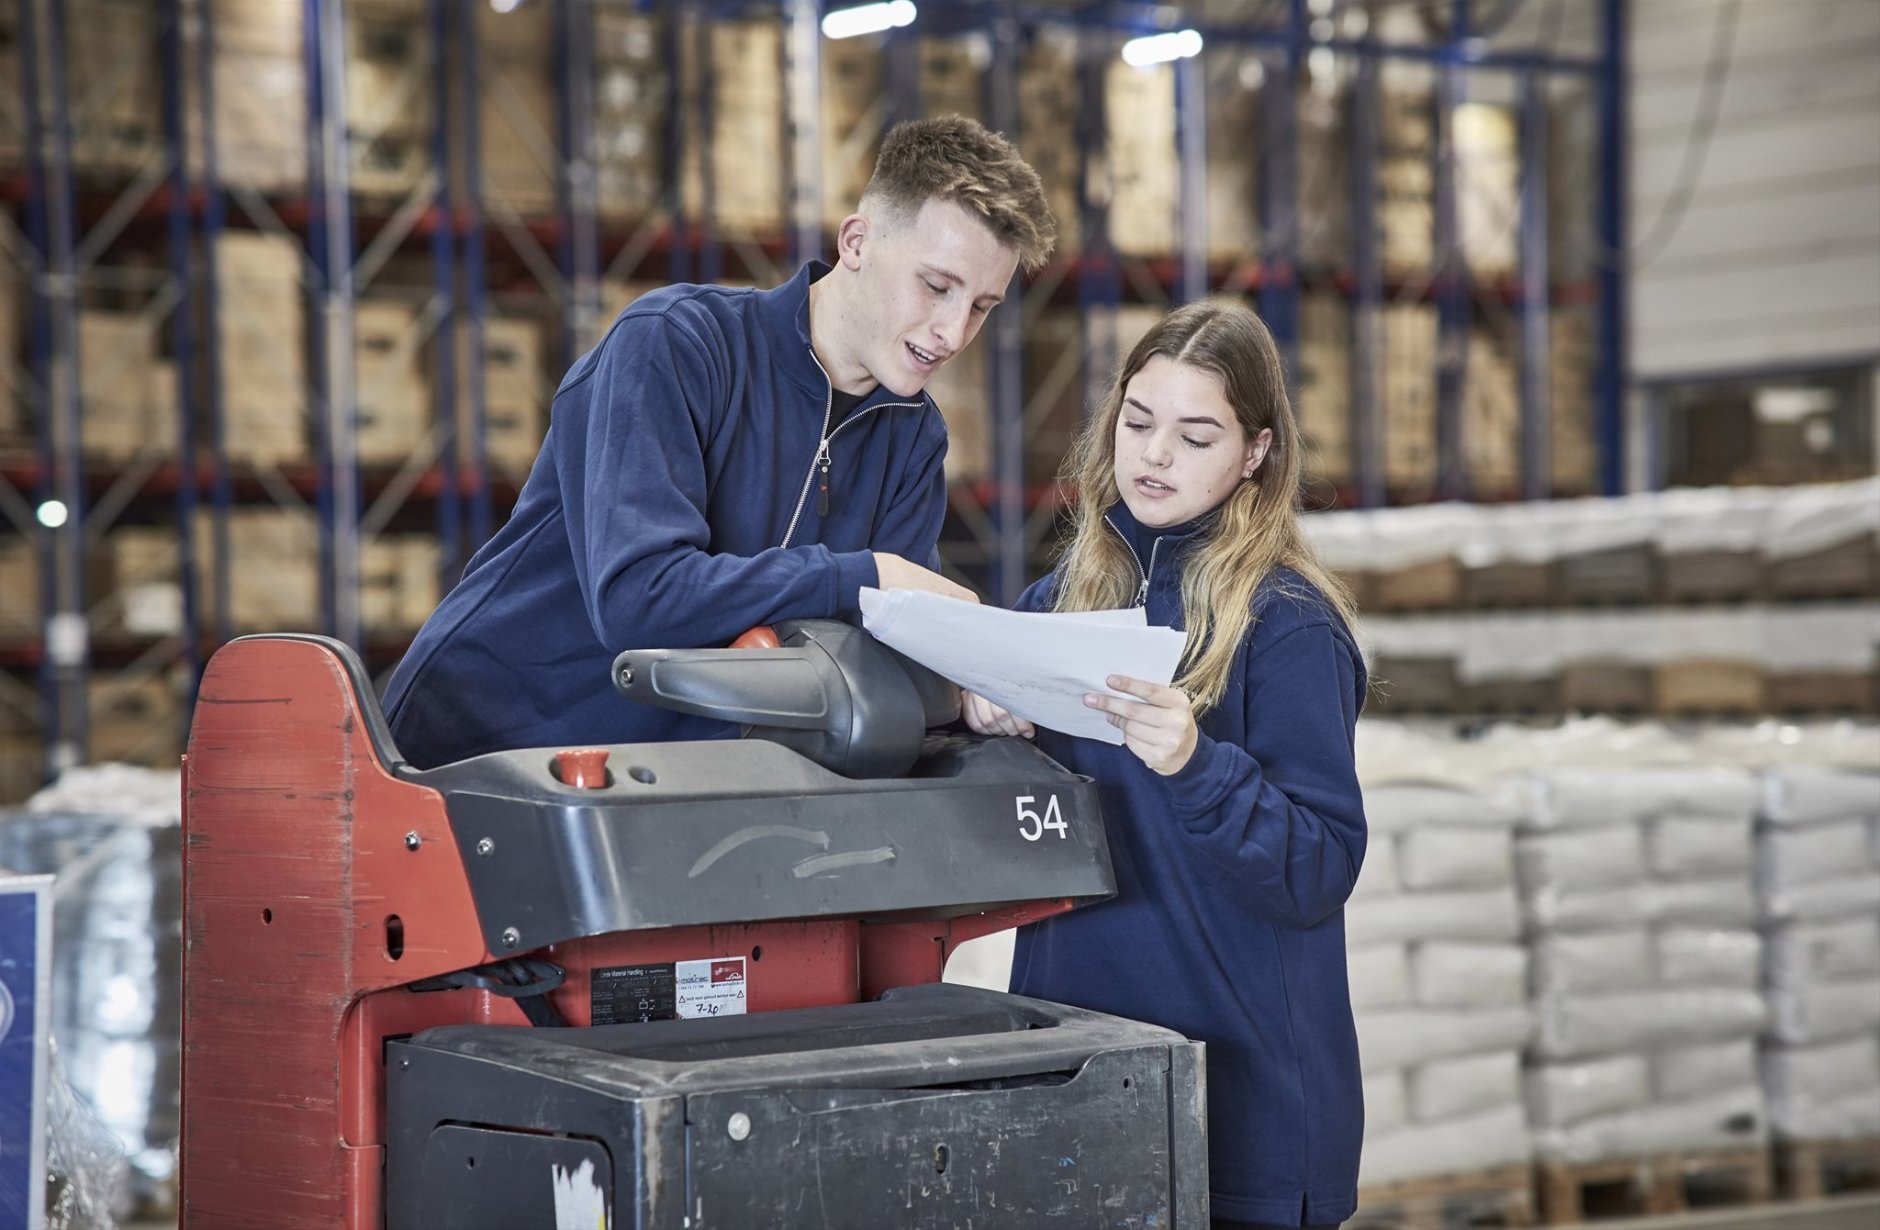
x=1142, y=593
x=822, y=485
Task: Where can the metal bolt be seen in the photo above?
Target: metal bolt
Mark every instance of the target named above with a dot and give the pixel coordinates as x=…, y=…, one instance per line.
x=511, y=937
x=412, y=840
x=485, y=847
x=739, y=1126
x=626, y=676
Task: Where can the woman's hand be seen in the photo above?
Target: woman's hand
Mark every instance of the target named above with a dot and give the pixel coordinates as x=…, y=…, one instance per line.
x=1159, y=728
x=989, y=719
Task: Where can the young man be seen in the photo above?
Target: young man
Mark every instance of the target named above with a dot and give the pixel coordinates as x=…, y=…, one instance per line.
x=727, y=458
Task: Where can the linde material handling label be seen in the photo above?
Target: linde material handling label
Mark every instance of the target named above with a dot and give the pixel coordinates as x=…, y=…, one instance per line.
x=714, y=986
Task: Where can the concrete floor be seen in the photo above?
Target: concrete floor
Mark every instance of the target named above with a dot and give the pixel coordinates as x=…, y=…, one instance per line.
x=1860, y=1212
x=1844, y=1213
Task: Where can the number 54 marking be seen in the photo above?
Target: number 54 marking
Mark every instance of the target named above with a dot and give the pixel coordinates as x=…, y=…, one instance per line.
x=1031, y=825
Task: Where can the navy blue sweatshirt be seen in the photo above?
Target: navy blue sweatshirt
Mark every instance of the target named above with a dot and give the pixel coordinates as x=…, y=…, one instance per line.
x=1232, y=874
x=677, y=501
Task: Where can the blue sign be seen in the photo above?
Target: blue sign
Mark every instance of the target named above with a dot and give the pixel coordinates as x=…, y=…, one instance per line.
x=25, y=1024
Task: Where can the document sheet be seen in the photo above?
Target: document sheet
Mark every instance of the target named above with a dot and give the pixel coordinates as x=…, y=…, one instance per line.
x=1039, y=666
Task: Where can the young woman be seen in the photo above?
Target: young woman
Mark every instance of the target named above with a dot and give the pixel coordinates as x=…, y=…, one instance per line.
x=1235, y=822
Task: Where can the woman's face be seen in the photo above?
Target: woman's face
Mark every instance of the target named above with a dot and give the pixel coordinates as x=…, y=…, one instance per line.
x=1180, y=449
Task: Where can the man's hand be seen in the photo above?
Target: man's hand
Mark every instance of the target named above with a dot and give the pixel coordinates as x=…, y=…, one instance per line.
x=897, y=573
x=1159, y=728
x=990, y=719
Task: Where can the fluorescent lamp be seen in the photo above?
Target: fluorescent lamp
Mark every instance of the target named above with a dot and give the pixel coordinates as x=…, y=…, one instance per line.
x=1161, y=48
x=505, y=6
x=868, y=19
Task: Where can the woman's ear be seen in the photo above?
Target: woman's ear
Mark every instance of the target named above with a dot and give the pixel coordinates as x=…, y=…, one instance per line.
x=1256, y=452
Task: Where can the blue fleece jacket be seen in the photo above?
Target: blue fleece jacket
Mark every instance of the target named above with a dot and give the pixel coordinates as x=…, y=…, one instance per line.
x=1232, y=874
x=677, y=501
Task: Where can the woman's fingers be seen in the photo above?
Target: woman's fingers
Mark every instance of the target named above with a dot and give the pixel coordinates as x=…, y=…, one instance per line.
x=990, y=719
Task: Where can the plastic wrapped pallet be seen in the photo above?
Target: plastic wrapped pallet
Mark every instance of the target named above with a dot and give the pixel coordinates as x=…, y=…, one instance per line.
x=1638, y=894
x=1823, y=541
x=1818, y=879
x=1438, y=974
x=112, y=838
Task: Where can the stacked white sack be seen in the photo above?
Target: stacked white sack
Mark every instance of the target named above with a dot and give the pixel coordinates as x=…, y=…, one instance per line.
x=1438, y=982
x=1818, y=877
x=1638, y=894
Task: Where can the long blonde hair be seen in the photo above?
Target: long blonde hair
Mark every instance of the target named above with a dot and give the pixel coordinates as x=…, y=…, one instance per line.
x=1257, y=529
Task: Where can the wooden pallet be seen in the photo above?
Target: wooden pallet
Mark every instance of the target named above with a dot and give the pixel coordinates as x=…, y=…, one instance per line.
x=1654, y=1186
x=1503, y=1197
x=1812, y=1169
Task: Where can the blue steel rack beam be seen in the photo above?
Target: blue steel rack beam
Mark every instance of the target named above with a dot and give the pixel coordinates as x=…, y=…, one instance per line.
x=1191, y=204
x=182, y=329
x=221, y=485
x=52, y=229
x=475, y=293
x=1279, y=189
x=1452, y=273
x=573, y=57
x=1367, y=325
x=802, y=83
x=1007, y=366
x=1536, y=359
x=331, y=241
x=441, y=17
x=1609, y=401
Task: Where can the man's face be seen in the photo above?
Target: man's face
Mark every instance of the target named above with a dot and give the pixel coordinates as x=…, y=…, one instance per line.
x=927, y=284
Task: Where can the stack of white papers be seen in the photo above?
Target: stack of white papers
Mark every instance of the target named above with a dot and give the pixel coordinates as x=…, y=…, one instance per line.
x=1038, y=666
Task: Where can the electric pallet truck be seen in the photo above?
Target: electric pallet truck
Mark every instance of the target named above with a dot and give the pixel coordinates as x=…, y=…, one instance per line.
x=650, y=986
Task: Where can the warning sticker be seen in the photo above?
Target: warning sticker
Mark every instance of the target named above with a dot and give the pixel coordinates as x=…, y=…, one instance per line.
x=621, y=994
x=710, y=988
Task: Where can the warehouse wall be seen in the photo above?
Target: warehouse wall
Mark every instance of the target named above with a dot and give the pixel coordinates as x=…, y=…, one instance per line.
x=1777, y=260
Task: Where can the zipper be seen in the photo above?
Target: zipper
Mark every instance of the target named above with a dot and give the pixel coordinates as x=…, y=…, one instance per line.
x=819, y=464
x=1142, y=591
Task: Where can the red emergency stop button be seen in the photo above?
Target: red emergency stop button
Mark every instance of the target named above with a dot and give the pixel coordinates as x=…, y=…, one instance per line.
x=583, y=768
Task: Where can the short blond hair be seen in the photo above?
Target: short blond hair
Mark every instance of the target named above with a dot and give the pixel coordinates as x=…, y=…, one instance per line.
x=952, y=158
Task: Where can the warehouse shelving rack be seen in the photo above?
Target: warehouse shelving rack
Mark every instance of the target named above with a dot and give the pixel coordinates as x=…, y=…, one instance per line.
x=997, y=526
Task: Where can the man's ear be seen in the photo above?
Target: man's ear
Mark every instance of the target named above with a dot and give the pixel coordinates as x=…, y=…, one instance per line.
x=850, y=237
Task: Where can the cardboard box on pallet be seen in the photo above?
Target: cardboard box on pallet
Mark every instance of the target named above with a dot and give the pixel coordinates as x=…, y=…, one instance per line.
x=19, y=586
x=129, y=397
x=264, y=366
x=749, y=150
x=1408, y=390
x=133, y=721
x=1145, y=168
x=135, y=586
x=1573, y=456
x=632, y=85
x=260, y=85
x=112, y=86
x=1491, y=411
x=515, y=405
x=1324, y=387
x=273, y=569
x=1048, y=104
x=390, y=378
x=961, y=390
x=852, y=78
x=398, y=582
